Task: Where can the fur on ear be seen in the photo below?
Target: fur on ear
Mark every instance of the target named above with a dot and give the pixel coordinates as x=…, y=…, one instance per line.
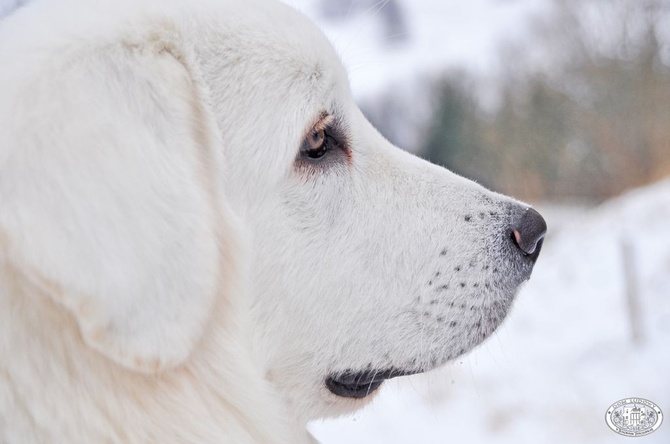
x=105, y=198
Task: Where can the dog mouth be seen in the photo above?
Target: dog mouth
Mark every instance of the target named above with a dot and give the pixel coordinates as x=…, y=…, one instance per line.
x=350, y=384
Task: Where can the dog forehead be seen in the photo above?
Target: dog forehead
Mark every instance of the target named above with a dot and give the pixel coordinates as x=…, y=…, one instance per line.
x=292, y=45
x=280, y=72
x=255, y=26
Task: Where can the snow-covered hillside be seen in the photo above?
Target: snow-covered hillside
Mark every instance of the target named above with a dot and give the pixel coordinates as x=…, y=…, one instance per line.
x=564, y=354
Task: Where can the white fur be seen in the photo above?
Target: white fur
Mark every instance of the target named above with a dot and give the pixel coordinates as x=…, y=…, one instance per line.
x=169, y=272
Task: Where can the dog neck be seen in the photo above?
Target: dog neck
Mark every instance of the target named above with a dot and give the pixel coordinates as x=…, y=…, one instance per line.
x=54, y=388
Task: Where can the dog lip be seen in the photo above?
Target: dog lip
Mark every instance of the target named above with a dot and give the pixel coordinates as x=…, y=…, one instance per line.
x=353, y=384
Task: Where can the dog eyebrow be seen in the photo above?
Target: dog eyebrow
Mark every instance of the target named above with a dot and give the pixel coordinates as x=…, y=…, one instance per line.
x=322, y=121
x=333, y=122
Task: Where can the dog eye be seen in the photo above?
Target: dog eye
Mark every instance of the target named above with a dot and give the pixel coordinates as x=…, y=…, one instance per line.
x=324, y=140
x=316, y=144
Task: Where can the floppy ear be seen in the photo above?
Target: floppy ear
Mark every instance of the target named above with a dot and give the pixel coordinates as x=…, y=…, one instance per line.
x=105, y=199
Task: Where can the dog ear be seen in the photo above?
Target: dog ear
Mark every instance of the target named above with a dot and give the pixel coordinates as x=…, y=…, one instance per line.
x=106, y=199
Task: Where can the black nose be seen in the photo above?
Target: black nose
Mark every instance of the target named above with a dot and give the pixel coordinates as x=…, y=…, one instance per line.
x=528, y=231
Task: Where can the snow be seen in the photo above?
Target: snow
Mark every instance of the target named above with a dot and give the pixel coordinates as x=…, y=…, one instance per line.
x=565, y=352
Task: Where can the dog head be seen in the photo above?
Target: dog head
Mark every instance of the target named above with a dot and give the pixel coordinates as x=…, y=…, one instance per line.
x=367, y=262
x=215, y=121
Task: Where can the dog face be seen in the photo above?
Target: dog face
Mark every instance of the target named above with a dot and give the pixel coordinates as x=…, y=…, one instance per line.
x=228, y=148
x=367, y=262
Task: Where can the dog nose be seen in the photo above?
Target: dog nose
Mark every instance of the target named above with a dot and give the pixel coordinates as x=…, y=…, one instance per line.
x=528, y=231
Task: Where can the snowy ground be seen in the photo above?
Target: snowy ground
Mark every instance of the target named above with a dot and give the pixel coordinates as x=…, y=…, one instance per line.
x=565, y=352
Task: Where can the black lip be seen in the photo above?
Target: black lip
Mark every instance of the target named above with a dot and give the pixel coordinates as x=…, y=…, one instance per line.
x=351, y=384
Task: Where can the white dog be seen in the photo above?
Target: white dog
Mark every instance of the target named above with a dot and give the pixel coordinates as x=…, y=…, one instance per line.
x=203, y=240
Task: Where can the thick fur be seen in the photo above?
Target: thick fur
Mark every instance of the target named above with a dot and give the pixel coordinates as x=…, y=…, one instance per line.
x=171, y=268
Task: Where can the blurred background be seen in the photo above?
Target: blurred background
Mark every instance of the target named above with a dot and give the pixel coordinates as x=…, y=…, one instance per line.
x=543, y=99
x=565, y=104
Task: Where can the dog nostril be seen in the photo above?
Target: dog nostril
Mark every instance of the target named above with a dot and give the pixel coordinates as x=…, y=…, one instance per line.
x=528, y=231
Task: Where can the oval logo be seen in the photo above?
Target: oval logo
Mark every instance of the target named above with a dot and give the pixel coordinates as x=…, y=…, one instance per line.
x=634, y=417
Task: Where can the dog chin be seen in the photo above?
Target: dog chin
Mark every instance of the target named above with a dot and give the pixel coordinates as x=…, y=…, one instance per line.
x=358, y=384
